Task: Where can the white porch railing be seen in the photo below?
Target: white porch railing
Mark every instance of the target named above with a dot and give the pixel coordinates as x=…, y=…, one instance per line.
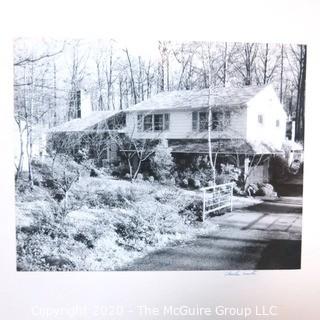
x=216, y=198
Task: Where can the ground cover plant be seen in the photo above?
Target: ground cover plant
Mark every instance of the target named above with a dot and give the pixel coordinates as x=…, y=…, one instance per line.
x=102, y=223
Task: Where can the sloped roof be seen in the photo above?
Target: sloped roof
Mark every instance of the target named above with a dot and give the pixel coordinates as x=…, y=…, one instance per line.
x=86, y=123
x=195, y=99
x=226, y=147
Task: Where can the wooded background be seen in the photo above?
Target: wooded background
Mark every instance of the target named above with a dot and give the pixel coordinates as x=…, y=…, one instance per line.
x=48, y=74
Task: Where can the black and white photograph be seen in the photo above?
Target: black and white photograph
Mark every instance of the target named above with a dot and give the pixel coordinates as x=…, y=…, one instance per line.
x=159, y=160
x=160, y=155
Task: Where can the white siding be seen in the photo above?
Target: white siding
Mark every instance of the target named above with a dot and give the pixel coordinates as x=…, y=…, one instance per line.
x=181, y=127
x=267, y=104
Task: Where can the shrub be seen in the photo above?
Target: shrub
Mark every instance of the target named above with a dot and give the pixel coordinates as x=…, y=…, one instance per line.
x=114, y=222
x=84, y=239
x=121, y=170
x=229, y=173
x=193, y=211
x=165, y=195
x=135, y=231
x=162, y=162
x=37, y=240
x=201, y=177
x=99, y=195
x=279, y=169
x=265, y=189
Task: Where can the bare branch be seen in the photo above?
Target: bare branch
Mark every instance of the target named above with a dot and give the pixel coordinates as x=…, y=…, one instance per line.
x=27, y=60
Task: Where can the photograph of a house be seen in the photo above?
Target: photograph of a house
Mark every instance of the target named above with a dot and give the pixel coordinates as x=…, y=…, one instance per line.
x=191, y=159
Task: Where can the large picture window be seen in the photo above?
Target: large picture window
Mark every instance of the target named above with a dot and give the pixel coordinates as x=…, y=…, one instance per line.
x=220, y=120
x=153, y=122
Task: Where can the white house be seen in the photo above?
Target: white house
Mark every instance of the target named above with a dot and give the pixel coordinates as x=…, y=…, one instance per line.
x=246, y=121
x=252, y=113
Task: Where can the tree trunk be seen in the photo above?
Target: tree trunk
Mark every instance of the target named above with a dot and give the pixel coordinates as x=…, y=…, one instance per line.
x=301, y=93
x=225, y=64
x=21, y=155
x=133, y=86
x=265, y=64
x=281, y=75
x=137, y=170
x=130, y=167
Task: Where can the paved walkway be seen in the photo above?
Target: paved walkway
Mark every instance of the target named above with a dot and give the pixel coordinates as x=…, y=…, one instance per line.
x=263, y=236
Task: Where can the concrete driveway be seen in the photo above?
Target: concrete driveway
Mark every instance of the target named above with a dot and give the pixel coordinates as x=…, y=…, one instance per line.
x=263, y=236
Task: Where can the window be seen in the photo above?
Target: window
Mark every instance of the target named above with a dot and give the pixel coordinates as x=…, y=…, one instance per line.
x=140, y=122
x=227, y=119
x=147, y=123
x=277, y=123
x=203, y=121
x=153, y=122
x=215, y=120
x=158, y=122
x=260, y=118
x=220, y=120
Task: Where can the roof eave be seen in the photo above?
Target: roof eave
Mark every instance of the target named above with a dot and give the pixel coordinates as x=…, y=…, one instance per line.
x=242, y=105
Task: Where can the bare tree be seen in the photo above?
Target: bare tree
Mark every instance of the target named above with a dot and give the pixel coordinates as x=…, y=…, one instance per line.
x=164, y=65
x=33, y=95
x=20, y=61
x=77, y=74
x=300, y=54
x=224, y=60
x=184, y=54
x=110, y=78
x=246, y=64
x=149, y=78
x=267, y=64
x=131, y=148
x=225, y=64
x=132, y=80
x=135, y=151
x=100, y=84
x=281, y=72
